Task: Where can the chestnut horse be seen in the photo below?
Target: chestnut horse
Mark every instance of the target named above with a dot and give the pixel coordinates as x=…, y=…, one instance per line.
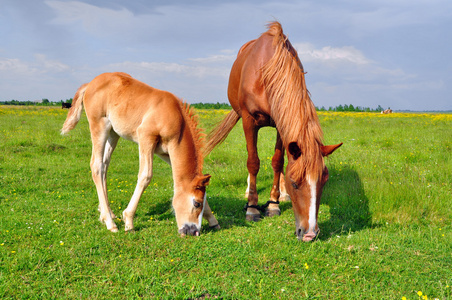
x=116, y=106
x=267, y=88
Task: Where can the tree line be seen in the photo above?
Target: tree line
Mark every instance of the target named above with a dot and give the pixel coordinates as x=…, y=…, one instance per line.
x=345, y=107
x=42, y=102
x=199, y=105
x=350, y=107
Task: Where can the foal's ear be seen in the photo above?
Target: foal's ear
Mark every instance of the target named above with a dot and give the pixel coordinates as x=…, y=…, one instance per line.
x=294, y=150
x=327, y=150
x=202, y=181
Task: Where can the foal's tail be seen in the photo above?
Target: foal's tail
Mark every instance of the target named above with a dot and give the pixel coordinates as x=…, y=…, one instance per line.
x=75, y=112
x=221, y=131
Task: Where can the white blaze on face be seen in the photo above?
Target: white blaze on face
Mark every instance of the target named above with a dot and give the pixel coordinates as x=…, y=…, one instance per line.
x=313, y=205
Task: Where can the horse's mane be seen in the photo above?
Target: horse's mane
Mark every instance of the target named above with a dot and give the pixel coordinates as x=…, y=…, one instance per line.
x=197, y=133
x=291, y=107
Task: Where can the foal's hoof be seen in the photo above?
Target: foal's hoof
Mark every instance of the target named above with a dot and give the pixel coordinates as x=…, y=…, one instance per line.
x=253, y=217
x=272, y=212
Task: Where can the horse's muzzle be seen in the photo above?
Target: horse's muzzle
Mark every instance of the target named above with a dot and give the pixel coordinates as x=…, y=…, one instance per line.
x=306, y=236
x=189, y=229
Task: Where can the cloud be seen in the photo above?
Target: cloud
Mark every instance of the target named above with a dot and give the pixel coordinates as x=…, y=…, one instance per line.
x=217, y=58
x=192, y=70
x=41, y=65
x=328, y=54
x=13, y=66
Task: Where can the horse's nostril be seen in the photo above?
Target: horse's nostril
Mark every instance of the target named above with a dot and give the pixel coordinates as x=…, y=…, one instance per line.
x=189, y=230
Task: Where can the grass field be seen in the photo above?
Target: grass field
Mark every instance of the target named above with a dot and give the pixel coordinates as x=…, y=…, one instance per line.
x=385, y=217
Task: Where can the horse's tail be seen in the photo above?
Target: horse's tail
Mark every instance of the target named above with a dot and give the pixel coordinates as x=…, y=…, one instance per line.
x=221, y=131
x=75, y=112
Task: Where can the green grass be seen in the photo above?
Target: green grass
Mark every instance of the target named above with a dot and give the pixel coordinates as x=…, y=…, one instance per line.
x=385, y=217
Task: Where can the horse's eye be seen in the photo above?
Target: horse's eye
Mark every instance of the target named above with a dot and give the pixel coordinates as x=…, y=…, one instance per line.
x=294, y=185
x=196, y=204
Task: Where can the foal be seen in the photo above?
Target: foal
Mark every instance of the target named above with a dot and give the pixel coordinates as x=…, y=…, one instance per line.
x=116, y=106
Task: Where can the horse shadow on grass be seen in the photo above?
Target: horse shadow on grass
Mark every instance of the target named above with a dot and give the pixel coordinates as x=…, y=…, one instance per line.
x=228, y=211
x=348, y=205
x=343, y=199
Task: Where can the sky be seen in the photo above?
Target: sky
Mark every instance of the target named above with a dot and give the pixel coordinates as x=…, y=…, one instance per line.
x=392, y=53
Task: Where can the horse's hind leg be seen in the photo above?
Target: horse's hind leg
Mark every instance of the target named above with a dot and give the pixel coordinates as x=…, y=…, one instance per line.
x=100, y=133
x=110, y=146
x=277, y=165
x=253, y=164
x=147, y=146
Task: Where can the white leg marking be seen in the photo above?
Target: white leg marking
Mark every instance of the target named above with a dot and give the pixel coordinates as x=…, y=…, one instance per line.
x=247, y=192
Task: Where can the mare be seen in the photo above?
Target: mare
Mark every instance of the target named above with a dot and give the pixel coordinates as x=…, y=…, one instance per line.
x=267, y=88
x=118, y=105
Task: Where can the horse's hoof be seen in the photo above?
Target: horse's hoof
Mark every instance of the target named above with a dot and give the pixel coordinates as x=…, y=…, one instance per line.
x=114, y=229
x=129, y=229
x=215, y=227
x=253, y=217
x=272, y=212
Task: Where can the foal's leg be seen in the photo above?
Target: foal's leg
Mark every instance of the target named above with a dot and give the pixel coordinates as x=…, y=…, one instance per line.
x=110, y=146
x=277, y=165
x=146, y=149
x=253, y=164
x=100, y=132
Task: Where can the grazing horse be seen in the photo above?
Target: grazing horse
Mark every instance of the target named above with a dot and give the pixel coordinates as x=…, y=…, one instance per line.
x=267, y=88
x=116, y=106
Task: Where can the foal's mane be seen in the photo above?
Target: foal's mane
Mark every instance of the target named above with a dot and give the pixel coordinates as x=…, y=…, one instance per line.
x=291, y=107
x=191, y=120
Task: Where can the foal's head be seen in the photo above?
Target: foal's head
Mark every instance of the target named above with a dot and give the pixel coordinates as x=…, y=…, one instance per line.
x=305, y=189
x=189, y=203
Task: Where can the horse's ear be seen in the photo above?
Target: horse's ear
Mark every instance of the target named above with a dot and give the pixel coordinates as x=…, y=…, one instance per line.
x=202, y=181
x=294, y=150
x=327, y=150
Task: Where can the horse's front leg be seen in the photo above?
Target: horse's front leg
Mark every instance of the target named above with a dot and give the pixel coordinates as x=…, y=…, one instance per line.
x=208, y=215
x=146, y=149
x=253, y=164
x=277, y=165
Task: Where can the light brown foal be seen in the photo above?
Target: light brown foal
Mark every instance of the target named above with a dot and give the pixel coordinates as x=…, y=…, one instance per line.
x=117, y=105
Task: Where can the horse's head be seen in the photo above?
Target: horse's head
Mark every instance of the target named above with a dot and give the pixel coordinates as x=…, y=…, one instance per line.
x=305, y=192
x=188, y=204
